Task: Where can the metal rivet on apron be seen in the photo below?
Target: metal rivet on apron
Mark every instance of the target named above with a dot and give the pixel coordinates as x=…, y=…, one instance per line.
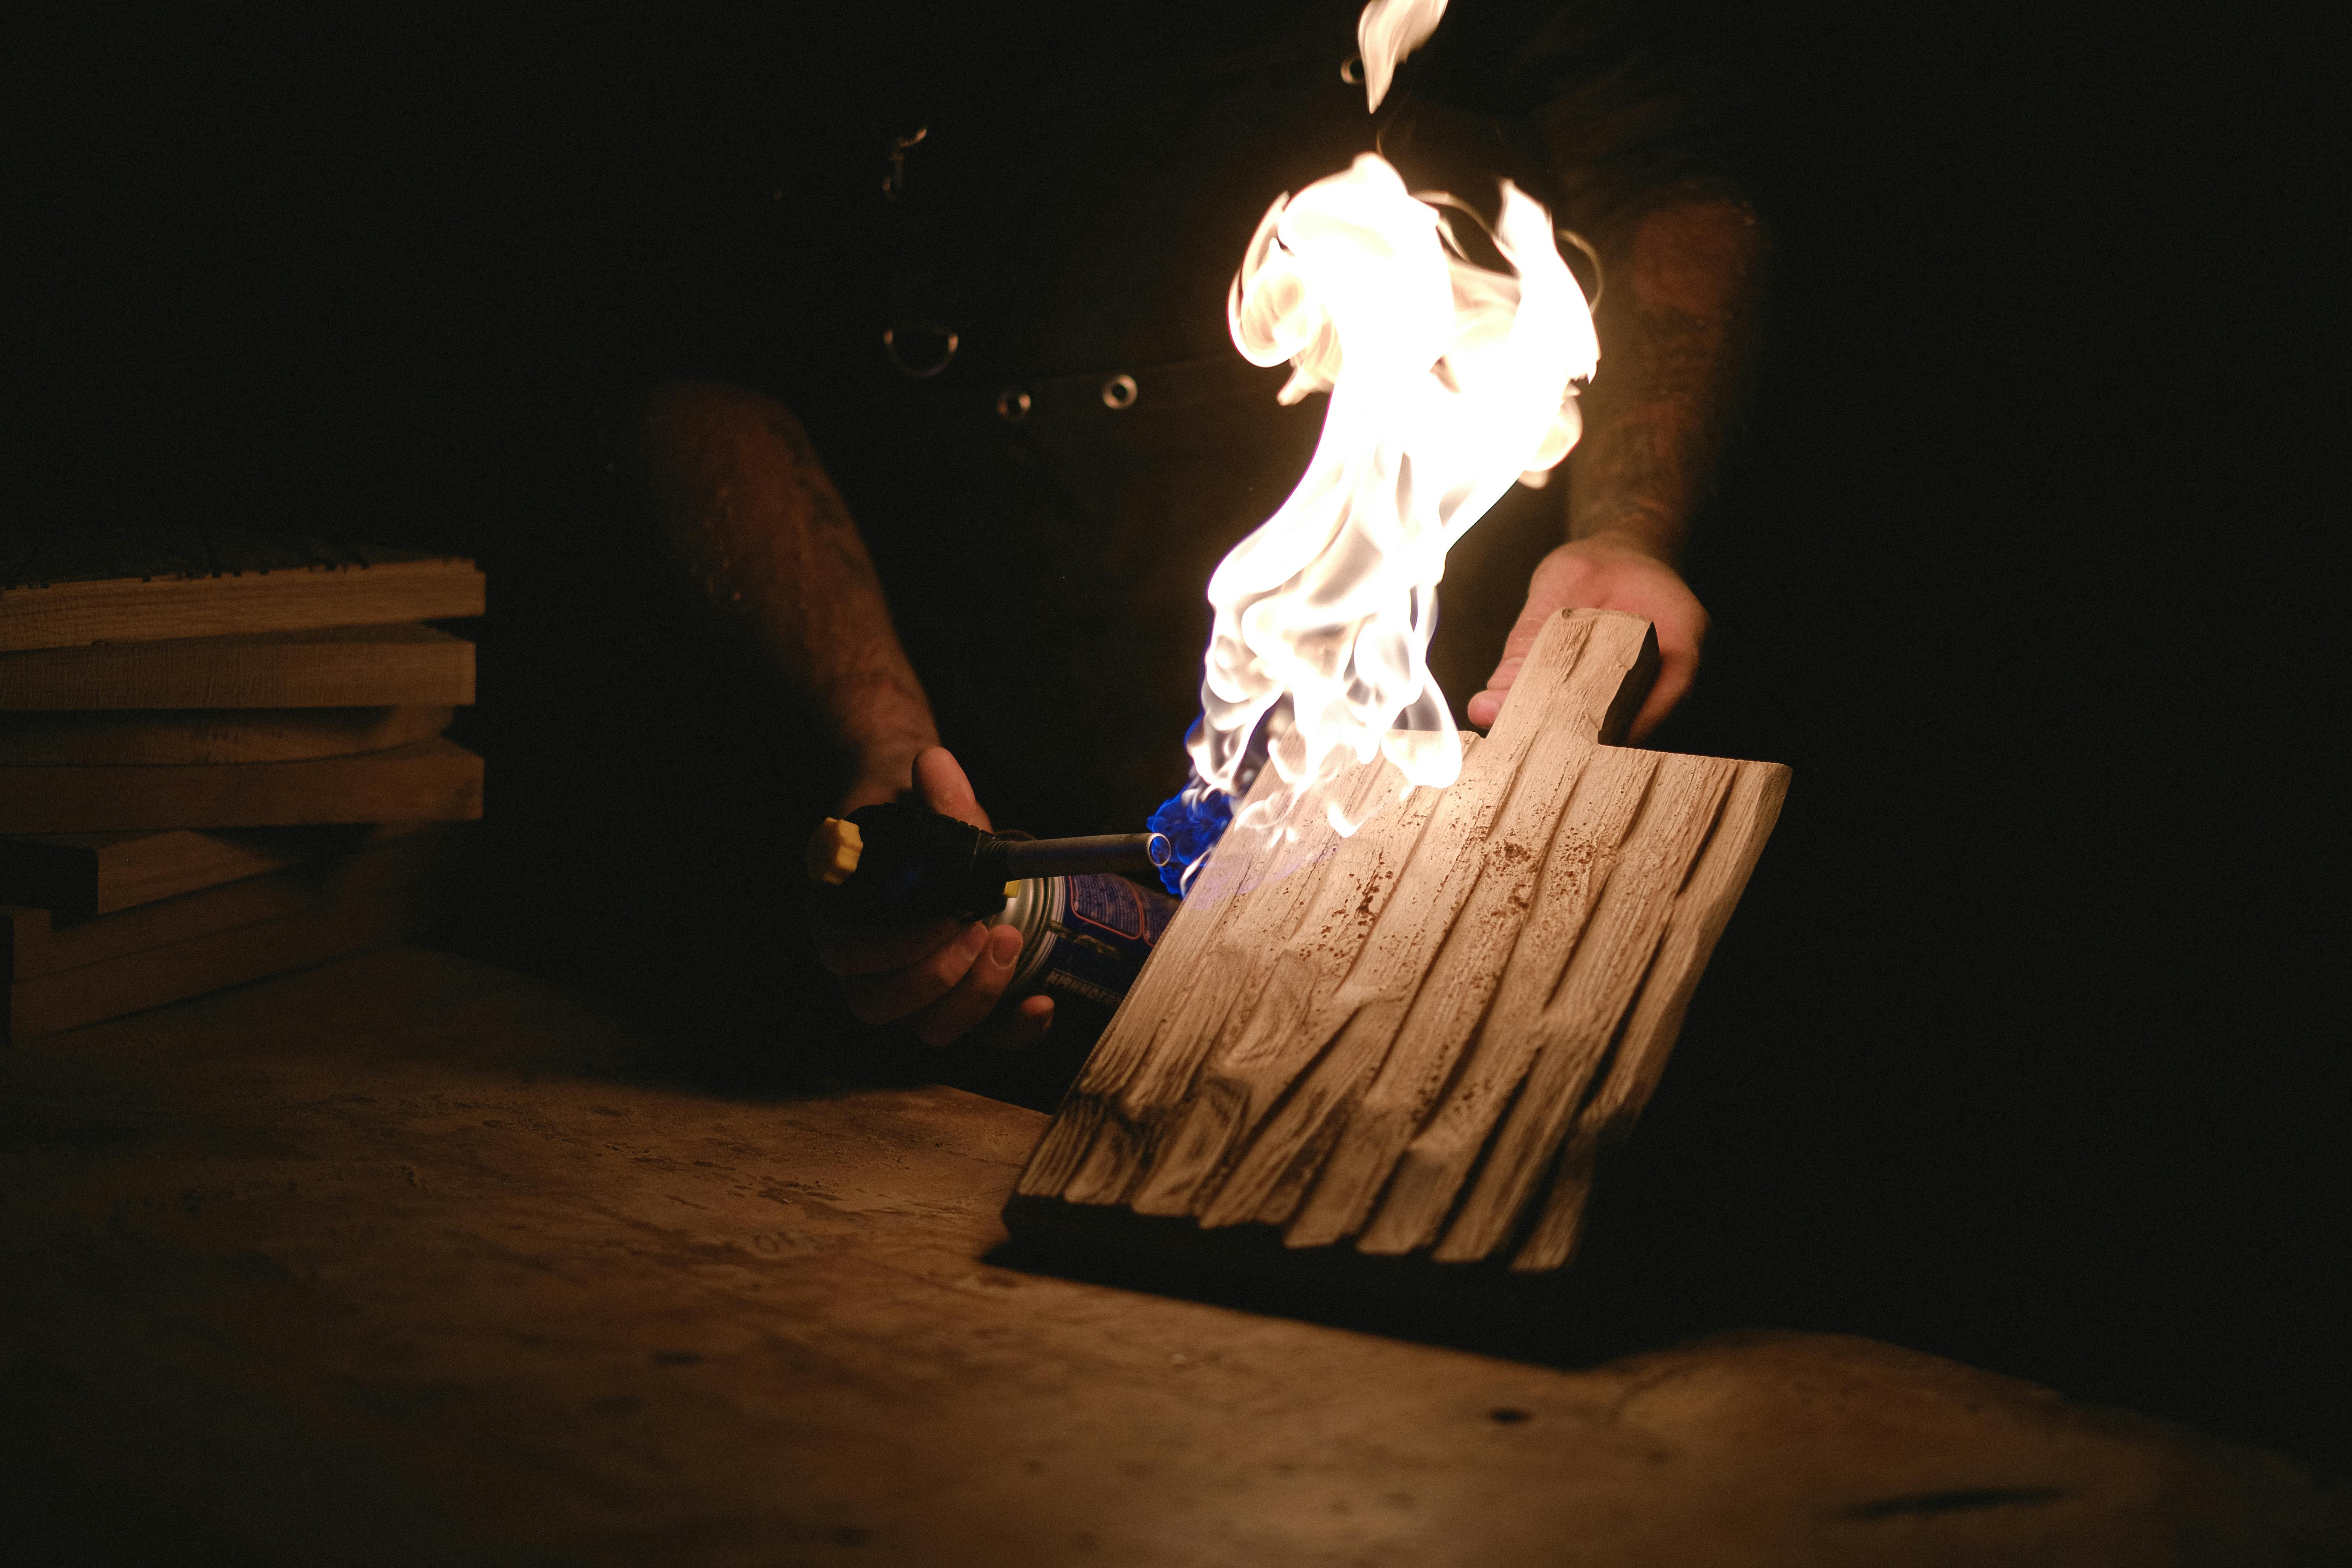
x=1013, y=406
x=1119, y=392
x=933, y=347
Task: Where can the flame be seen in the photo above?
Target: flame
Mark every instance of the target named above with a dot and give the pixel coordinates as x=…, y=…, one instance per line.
x=1192, y=819
x=1448, y=382
x=1387, y=32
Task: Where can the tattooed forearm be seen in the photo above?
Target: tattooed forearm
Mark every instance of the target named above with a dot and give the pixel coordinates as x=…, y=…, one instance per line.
x=1676, y=318
x=746, y=507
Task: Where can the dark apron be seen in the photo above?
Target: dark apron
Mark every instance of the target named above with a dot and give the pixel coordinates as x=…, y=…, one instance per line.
x=1047, y=502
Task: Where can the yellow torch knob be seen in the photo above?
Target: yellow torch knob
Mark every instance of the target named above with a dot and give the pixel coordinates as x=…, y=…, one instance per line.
x=833, y=851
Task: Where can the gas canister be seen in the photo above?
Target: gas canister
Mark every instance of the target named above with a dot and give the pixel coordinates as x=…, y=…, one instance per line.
x=1084, y=938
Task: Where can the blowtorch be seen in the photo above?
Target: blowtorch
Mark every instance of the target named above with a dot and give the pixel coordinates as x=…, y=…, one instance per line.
x=1085, y=929
x=893, y=861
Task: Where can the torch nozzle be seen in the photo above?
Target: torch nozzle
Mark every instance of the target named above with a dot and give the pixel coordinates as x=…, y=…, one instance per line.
x=1109, y=852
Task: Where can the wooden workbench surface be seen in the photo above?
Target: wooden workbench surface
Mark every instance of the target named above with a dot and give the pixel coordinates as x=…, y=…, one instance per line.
x=409, y=1259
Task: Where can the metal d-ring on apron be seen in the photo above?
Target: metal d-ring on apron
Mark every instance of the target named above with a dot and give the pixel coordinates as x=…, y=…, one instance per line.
x=931, y=346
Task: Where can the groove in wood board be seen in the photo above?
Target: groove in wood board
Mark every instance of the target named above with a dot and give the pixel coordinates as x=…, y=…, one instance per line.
x=1409, y=1028
x=426, y=781
x=1357, y=1000
x=1141, y=1017
x=1431, y=1170
x=1175, y=1012
x=204, y=737
x=1701, y=912
x=1282, y=876
x=333, y=667
x=1252, y=1051
x=1349, y=1033
x=1299, y=1006
x=1596, y=994
x=1452, y=998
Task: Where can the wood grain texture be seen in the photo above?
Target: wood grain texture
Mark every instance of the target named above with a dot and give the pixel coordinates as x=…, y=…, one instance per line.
x=1701, y=909
x=78, y=876
x=333, y=667
x=180, y=738
x=1421, y=1037
x=1435, y=1164
x=430, y=781
x=145, y=585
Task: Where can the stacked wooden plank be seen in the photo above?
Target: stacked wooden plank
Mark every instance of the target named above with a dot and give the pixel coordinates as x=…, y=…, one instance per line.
x=216, y=748
x=1419, y=1037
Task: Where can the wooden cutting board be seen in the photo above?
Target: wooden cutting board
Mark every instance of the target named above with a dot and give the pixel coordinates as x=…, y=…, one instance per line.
x=1420, y=1038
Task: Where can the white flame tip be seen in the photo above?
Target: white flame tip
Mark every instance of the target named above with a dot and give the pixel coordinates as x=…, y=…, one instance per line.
x=1388, y=31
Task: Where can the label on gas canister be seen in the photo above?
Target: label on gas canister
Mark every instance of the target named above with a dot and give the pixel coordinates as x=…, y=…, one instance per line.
x=1084, y=940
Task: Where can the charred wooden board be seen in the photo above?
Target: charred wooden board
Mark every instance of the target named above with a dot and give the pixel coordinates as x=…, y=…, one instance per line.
x=1420, y=1038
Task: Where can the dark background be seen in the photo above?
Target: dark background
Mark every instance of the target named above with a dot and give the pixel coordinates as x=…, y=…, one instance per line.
x=2026, y=1047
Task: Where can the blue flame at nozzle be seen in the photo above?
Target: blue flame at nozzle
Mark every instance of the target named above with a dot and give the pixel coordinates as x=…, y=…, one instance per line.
x=1197, y=815
x=1194, y=819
